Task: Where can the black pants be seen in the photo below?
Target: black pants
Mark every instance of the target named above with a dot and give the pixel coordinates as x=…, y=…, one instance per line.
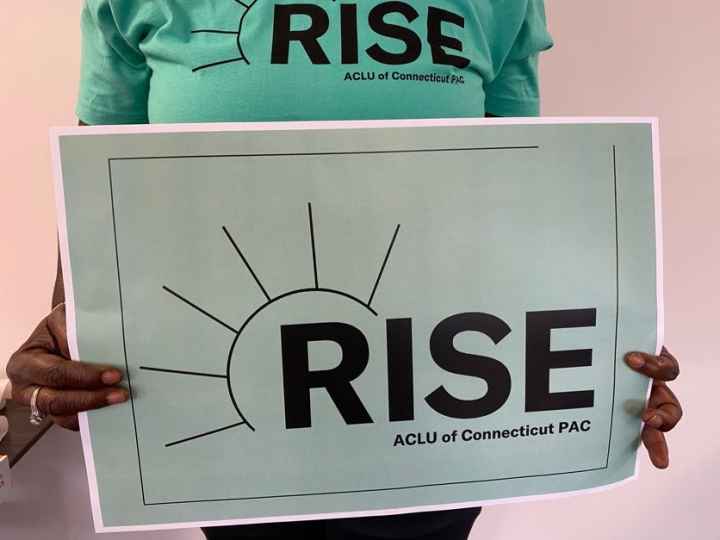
x=448, y=525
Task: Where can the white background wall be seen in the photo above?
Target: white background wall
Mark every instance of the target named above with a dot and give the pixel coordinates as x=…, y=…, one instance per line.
x=617, y=57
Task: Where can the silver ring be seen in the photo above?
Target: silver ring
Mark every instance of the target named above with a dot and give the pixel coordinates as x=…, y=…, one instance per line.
x=36, y=417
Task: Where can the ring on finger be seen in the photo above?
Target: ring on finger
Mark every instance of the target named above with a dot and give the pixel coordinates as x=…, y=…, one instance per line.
x=36, y=417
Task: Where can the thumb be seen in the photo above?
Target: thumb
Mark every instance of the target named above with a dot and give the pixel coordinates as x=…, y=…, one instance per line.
x=57, y=326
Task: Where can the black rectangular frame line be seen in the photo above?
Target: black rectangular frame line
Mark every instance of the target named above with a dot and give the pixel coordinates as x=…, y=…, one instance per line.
x=418, y=486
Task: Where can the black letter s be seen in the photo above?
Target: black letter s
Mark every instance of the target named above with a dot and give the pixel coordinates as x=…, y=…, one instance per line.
x=413, y=45
x=447, y=357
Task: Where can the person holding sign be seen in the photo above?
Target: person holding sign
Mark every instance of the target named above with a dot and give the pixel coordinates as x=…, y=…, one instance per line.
x=231, y=61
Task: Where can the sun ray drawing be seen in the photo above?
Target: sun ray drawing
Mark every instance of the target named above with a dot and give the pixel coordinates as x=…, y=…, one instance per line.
x=237, y=330
x=246, y=7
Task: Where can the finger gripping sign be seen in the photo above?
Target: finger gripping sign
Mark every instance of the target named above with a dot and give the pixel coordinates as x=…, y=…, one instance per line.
x=323, y=320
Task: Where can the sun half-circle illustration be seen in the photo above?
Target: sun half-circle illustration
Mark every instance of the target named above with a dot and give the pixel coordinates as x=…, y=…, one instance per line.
x=237, y=331
x=246, y=8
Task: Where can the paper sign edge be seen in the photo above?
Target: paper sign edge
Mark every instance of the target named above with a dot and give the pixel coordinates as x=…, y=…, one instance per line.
x=213, y=127
x=368, y=513
x=57, y=132
x=91, y=473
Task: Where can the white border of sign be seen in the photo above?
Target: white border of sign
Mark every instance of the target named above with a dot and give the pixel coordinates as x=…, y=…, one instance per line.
x=56, y=133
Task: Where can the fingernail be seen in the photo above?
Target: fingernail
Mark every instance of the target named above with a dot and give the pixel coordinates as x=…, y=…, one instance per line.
x=116, y=397
x=656, y=421
x=111, y=377
x=635, y=360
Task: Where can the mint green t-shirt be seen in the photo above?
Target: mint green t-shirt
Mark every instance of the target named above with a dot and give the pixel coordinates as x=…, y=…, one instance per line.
x=165, y=61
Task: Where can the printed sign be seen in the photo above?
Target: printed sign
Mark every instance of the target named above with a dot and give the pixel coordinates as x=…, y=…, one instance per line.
x=4, y=478
x=323, y=320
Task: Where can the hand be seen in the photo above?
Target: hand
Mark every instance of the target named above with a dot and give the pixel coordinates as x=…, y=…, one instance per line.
x=67, y=387
x=663, y=410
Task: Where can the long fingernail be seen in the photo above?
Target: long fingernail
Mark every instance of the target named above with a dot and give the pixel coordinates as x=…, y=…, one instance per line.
x=111, y=376
x=116, y=397
x=635, y=360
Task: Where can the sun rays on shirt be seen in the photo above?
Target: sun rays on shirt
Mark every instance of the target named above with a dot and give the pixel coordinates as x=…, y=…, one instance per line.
x=238, y=41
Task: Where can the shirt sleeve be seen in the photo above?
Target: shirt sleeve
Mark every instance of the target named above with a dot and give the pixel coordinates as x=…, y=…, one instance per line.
x=515, y=89
x=114, y=77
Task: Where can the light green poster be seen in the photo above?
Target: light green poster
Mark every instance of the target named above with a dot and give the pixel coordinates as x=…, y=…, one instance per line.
x=344, y=319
